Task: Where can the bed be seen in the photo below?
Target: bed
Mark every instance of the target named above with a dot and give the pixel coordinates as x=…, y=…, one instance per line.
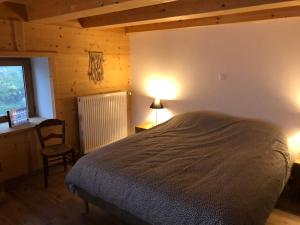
x=197, y=168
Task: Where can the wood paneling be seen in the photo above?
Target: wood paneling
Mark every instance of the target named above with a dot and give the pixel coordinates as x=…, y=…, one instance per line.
x=68, y=51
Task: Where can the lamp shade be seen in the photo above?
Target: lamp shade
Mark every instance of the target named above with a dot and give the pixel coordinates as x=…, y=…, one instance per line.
x=156, y=104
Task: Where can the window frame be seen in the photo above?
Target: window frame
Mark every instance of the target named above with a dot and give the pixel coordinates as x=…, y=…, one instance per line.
x=28, y=84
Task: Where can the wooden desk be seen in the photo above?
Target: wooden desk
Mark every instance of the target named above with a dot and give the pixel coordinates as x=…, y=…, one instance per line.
x=6, y=130
x=19, y=150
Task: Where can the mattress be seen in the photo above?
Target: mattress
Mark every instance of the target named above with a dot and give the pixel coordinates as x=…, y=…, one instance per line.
x=197, y=168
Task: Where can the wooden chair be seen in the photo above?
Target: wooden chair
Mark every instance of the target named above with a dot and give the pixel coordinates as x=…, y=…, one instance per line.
x=56, y=152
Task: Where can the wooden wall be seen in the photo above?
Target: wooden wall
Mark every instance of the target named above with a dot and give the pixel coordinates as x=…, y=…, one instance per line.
x=70, y=63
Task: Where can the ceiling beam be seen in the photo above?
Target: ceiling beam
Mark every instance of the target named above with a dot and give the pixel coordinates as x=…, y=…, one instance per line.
x=18, y=1
x=225, y=19
x=51, y=11
x=17, y=9
x=15, y=1
x=181, y=10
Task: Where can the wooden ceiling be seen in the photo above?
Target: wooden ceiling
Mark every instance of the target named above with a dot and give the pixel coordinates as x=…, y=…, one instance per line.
x=144, y=15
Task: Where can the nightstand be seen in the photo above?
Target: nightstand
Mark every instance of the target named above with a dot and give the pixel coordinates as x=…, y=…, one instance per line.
x=294, y=182
x=296, y=171
x=144, y=126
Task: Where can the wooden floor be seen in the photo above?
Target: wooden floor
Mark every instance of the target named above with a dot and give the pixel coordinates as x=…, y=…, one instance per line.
x=29, y=203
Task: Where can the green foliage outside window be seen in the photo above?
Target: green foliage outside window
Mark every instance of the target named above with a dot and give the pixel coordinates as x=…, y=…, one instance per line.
x=12, y=90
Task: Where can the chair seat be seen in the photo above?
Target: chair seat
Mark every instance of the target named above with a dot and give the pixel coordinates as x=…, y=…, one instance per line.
x=56, y=150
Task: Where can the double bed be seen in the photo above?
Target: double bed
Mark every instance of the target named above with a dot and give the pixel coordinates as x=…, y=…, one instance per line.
x=197, y=168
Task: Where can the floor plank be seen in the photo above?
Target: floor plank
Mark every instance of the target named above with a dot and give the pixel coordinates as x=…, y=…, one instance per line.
x=29, y=203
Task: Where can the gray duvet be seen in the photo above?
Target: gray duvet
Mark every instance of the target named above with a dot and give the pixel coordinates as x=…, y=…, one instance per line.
x=197, y=168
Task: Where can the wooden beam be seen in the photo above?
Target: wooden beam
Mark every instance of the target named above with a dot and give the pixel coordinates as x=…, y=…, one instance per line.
x=27, y=54
x=19, y=9
x=24, y=2
x=215, y=20
x=18, y=32
x=181, y=10
x=15, y=1
x=50, y=11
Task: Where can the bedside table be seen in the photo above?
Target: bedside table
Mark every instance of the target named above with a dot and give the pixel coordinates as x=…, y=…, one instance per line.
x=294, y=182
x=296, y=171
x=144, y=126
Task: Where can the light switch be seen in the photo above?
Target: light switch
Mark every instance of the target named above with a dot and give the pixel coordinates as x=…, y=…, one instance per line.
x=223, y=76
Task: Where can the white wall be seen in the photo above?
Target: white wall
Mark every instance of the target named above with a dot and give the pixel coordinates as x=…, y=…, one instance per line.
x=43, y=89
x=260, y=62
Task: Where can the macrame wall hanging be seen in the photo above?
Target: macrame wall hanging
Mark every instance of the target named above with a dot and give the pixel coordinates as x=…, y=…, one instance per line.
x=96, y=72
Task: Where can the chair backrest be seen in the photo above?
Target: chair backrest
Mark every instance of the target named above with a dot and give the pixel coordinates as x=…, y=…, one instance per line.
x=51, y=123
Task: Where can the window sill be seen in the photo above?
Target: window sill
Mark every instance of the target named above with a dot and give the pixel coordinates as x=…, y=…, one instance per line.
x=6, y=130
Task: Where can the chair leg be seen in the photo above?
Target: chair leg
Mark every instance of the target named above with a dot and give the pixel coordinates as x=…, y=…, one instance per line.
x=46, y=170
x=65, y=162
x=73, y=156
x=86, y=207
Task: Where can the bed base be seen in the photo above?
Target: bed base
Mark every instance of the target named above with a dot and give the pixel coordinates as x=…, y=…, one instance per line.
x=108, y=207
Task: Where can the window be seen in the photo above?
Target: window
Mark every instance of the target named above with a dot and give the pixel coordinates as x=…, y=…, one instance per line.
x=16, y=89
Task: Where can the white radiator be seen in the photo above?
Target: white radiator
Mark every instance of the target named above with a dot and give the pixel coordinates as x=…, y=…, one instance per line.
x=102, y=119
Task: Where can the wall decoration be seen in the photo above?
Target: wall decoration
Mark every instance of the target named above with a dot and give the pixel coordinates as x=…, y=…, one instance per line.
x=96, y=72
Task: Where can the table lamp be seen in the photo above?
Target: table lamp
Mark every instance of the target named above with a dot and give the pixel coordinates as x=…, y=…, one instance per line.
x=156, y=104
